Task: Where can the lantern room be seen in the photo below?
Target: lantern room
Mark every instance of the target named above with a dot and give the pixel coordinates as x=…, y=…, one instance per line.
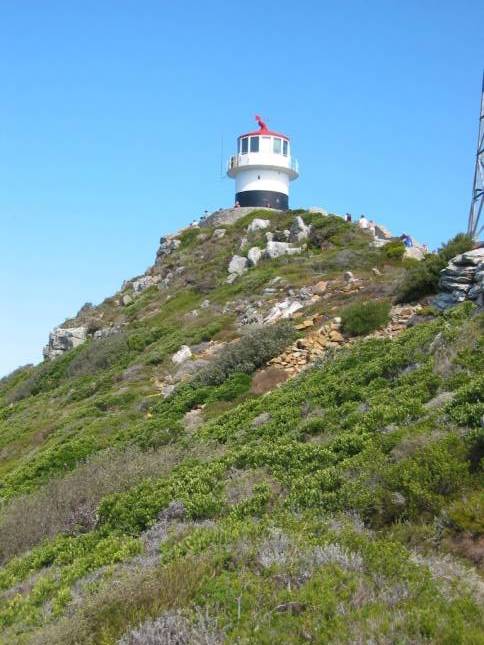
x=262, y=168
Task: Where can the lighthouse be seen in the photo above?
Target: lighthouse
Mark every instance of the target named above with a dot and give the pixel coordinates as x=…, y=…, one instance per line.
x=263, y=168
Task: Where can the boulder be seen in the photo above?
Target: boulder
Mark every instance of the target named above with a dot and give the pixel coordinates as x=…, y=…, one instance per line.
x=143, y=283
x=414, y=253
x=320, y=287
x=348, y=276
x=254, y=255
x=62, y=340
x=182, y=355
x=470, y=258
x=218, y=233
x=168, y=244
x=258, y=225
x=106, y=332
x=251, y=316
x=298, y=231
x=277, y=249
x=238, y=265
x=462, y=279
x=284, y=309
x=126, y=299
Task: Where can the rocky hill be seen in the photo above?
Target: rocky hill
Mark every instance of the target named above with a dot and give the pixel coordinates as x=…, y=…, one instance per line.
x=272, y=435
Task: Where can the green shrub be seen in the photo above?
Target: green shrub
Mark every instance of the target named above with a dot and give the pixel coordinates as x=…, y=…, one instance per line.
x=44, y=377
x=363, y=318
x=253, y=350
x=458, y=244
x=422, y=278
x=233, y=387
x=394, y=250
x=327, y=229
x=99, y=355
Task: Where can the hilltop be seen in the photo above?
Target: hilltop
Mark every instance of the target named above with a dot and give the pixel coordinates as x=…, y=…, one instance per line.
x=274, y=434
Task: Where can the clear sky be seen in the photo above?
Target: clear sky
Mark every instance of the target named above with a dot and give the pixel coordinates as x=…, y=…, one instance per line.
x=112, y=115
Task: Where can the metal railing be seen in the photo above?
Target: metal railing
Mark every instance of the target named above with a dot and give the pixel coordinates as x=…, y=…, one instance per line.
x=236, y=161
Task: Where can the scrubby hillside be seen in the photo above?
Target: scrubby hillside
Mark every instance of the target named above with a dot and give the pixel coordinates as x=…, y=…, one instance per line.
x=253, y=442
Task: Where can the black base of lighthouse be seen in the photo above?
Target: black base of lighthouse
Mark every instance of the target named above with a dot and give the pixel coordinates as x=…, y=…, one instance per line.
x=263, y=199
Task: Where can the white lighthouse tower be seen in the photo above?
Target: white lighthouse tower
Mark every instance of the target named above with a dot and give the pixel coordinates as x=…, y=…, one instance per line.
x=263, y=168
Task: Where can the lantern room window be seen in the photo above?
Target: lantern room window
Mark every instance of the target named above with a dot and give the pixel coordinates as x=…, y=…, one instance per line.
x=254, y=144
x=276, y=146
x=244, y=146
x=284, y=148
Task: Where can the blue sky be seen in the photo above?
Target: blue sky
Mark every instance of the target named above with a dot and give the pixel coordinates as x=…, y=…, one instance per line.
x=112, y=115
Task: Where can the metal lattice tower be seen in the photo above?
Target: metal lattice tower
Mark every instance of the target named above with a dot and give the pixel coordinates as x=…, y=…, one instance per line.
x=477, y=202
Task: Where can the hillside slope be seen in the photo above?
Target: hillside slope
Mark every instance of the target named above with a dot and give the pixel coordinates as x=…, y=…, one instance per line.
x=250, y=451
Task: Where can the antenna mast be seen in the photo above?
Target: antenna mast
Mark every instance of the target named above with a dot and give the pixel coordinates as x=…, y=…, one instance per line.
x=477, y=201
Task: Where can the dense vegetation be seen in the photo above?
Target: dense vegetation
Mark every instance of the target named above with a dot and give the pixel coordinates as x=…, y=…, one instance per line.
x=422, y=278
x=343, y=506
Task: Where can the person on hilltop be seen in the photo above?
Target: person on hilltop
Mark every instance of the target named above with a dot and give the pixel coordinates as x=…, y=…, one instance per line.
x=348, y=218
x=363, y=222
x=407, y=240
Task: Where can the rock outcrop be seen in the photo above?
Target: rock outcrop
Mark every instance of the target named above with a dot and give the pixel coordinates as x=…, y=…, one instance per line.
x=168, y=244
x=146, y=281
x=182, y=355
x=462, y=279
x=229, y=216
x=237, y=266
x=277, y=249
x=62, y=339
x=258, y=225
x=299, y=231
x=254, y=255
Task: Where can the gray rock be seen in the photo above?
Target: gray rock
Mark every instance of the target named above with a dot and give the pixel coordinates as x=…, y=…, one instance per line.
x=168, y=244
x=143, y=283
x=414, y=253
x=106, y=332
x=167, y=390
x=277, y=249
x=62, y=340
x=228, y=216
x=254, y=255
x=182, y=355
x=298, y=231
x=261, y=419
x=284, y=309
x=218, y=233
x=126, y=299
x=440, y=400
x=258, y=225
x=132, y=373
x=463, y=278
x=348, y=276
x=238, y=265
x=251, y=316
x=469, y=258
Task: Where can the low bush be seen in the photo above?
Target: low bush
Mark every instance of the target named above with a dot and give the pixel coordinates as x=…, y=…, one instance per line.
x=394, y=250
x=327, y=230
x=43, y=377
x=253, y=350
x=68, y=505
x=422, y=278
x=233, y=387
x=99, y=355
x=363, y=318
